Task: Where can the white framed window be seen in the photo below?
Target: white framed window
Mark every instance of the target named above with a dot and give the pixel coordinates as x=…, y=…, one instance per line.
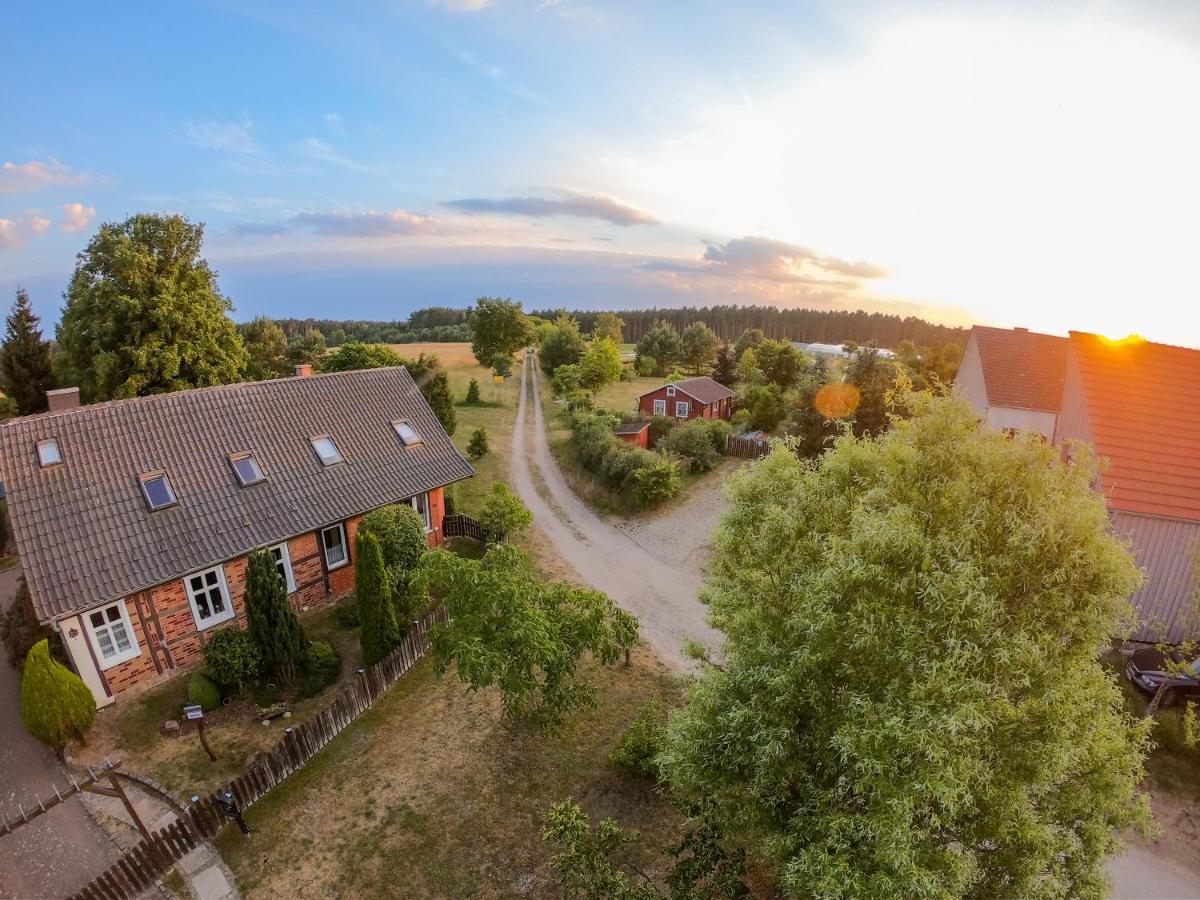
x=326, y=450
x=407, y=433
x=157, y=491
x=283, y=564
x=48, y=453
x=682, y=408
x=660, y=407
x=112, y=634
x=671, y=390
x=208, y=594
x=246, y=468
x=421, y=504
x=333, y=542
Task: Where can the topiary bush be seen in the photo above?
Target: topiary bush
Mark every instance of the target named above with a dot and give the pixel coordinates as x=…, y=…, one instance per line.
x=203, y=691
x=232, y=658
x=472, y=398
x=637, y=751
x=56, y=705
x=321, y=668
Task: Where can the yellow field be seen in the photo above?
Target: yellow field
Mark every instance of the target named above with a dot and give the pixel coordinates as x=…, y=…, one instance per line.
x=451, y=355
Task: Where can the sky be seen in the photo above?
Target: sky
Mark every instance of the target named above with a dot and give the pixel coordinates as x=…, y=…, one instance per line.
x=1015, y=164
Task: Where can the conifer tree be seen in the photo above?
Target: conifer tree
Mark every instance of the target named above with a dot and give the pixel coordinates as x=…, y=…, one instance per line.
x=378, y=631
x=273, y=624
x=55, y=703
x=472, y=398
x=25, y=372
x=478, y=448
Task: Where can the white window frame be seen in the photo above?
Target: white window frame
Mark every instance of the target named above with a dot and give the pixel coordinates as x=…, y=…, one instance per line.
x=47, y=444
x=671, y=390
x=660, y=405
x=235, y=458
x=333, y=445
x=135, y=649
x=420, y=502
x=682, y=408
x=213, y=618
x=417, y=440
x=330, y=566
x=284, y=561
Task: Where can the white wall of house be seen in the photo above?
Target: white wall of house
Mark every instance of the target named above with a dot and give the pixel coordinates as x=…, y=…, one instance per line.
x=1166, y=603
x=970, y=383
x=969, y=379
x=1002, y=417
x=74, y=637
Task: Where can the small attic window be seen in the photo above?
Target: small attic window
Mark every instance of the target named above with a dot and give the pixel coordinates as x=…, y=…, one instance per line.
x=157, y=491
x=48, y=453
x=407, y=434
x=246, y=468
x=327, y=450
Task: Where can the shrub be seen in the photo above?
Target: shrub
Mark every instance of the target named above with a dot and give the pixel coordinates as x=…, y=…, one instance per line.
x=656, y=483
x=502, y=365
x=638, y=748
x=201, y=690
x=660, y=427
x=321, y=668
x=345, y=614
x=232, y=658
x=503, y=512
x=567, y=380
x=646, y=366
x=741, y=419
x=400, y=531
x=718, y=432
x=767, y=405
x=477, y=447
x=379, y=632
x=55, y=703
x=472, y=398
x=20, y=630
x=694, y=443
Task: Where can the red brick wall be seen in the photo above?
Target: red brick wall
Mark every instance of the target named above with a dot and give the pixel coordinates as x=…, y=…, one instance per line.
x=166, y=630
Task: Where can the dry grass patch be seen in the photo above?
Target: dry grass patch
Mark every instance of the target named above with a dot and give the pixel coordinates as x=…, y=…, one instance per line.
x=433, y=794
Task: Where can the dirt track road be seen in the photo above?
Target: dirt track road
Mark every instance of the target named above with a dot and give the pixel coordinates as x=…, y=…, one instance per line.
x=662, y=596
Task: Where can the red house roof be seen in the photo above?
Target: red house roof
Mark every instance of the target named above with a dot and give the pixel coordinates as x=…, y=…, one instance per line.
x=1022, y=369
x=1143, y=403
x=702, y=388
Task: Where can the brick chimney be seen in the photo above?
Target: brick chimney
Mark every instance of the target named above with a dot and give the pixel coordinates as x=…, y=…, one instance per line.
x=303, y=370
x=63, y=398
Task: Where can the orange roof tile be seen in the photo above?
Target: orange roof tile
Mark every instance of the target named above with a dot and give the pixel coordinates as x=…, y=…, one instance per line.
x=1143, y=403
x=1022, y=369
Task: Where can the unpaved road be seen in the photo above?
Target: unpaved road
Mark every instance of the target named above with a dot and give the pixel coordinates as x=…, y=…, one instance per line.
x=653, y=569
x=662, y=596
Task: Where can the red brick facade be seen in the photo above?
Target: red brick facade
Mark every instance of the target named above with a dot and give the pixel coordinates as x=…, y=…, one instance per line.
x=165, y=627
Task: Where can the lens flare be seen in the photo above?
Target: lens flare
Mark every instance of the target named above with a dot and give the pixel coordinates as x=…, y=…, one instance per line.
x=836, y=400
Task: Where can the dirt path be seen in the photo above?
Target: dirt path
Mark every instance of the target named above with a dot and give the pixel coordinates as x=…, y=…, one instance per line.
x=662, y=596
x=63, y=850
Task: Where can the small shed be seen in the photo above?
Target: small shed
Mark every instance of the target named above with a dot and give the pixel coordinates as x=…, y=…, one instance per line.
x=636, y=433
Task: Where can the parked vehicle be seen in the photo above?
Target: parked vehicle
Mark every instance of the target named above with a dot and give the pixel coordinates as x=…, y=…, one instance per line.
x=1148, y=669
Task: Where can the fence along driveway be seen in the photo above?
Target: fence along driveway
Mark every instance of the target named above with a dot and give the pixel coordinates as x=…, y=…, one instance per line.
x=147, y=862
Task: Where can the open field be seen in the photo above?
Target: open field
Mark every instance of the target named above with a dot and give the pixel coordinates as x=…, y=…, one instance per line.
x=432, y=794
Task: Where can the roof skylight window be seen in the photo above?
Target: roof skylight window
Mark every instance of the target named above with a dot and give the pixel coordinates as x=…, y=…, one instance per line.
x=407, y=434
x=157, y=490
x=48, y=453
x=246, y=468
x=327, y=450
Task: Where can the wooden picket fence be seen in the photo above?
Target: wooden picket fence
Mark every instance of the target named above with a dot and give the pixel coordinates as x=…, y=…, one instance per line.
x=149, y=860
x=747, y=447
x=465, y=526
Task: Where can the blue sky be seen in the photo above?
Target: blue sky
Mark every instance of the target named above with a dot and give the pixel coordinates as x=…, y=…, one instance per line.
x=993, y=162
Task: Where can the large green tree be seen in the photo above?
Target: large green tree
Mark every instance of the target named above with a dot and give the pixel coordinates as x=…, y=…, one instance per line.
x=781, y=363
x=601, y=365
x=266, y=349
x=561, y=345
x=270, y=618
x=876, y=378
x=698, y=348
x=307, y=348
x=909, y=701
x=609, y=325
x=499, y=328
x=143, y=314
x=25, y=371
x=661, y=344
x=56, y=705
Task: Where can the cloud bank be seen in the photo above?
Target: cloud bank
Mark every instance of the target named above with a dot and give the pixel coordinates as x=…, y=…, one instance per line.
x=36, y=175
x=567, y=203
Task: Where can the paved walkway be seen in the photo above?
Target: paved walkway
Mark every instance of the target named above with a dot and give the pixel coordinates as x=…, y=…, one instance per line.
x=62, y=850
x=661, y=595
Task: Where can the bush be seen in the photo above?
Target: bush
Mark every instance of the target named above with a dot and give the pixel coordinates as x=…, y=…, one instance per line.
x=20, y=630
x=400, y=531
x=741, y=419
x=472, y=398
x=656, y=483
x=660, y=427
x=477, y=447
x=646, y=366
x=638, y=748
x=503, y=513
x=345, y=614
x=55, y=703
x=719, y=432
x=694, y=443
x=201, y=690
x=321, y=668
x=232, y=658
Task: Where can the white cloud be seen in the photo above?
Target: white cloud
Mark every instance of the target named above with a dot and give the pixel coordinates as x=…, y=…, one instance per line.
x=10, y=236
x=222, y=135
x=75, y=217
x=37, y=223
x=315, y=148
x=365, y=224
x=36, y=175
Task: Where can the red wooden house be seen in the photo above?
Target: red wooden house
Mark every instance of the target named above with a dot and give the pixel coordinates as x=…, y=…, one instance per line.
x=692, y=398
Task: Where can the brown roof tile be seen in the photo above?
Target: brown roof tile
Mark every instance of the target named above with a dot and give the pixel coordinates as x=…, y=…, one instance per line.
x=703, y=388
x=1022, y=369
x=83, y=529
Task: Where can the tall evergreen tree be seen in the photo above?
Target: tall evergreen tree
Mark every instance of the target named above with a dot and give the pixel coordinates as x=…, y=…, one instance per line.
x=25, y=372
x=56, y=705
x=273, y=624
x=725, y=370
x=378, y=630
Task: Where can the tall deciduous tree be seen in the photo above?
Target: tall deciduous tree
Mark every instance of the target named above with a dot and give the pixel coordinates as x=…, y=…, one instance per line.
x=561, y=345
x=499, y=328
x=748, y=340
x=56, y=705
x=269, y=616
x=725, y=369
x=601, y=365
x=875, y=377
x=378, y=630
x=909, y=701
x=266, y=349
x=25, y=371
x=699, y=345
x=307, y=348
x=609, y=325
x=143, y=313
x=781, y=363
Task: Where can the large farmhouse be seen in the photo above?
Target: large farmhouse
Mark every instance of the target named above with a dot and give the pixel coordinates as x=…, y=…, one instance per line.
x=691, y=398
x=134, y=518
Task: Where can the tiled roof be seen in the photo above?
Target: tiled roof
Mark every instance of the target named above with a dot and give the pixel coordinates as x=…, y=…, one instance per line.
x=1022, y=369
x=83, y=529
x=1143, y=403
x=704, y=389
